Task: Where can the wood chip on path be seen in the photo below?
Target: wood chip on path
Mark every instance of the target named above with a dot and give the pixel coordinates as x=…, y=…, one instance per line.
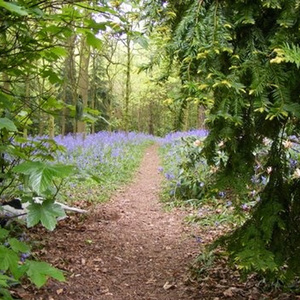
x=128, y=248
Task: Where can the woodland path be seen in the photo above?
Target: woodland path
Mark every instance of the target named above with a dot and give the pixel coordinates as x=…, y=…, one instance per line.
x=128, y=248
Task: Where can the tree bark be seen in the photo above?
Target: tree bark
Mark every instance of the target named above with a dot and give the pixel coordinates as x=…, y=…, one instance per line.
x=128, y=82
x=83, y=81
x=69, y=86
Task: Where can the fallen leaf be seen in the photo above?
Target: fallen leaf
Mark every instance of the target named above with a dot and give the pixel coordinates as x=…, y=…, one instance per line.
x=168, y=286
x=228, y=292
x=151, y=281
x=59, y=291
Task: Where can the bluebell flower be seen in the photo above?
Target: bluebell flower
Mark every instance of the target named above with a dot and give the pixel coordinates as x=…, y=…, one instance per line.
x=244, y=207
x=254, y=179
x=293, y=163
x=263, y=180
x=228, y=203
x=169, y=176
x=24, y=256
x=198, y=239
x=222, y=194
x=160, y=169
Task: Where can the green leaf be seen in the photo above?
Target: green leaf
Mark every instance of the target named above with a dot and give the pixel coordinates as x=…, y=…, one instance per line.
x=52, y=76
x=18, y=246
x=8, y=124
x=5, y=294
x=89, y=118
x=59, y=51
x=4, y=279
x=14, y=8
x=46, y=213
x=93, y=41
x=53, y=103
x=3, y=233
x=293, y=108
x=39, y=272
x=96, y=178
x=96, y=26
x=8, y=259
x=4, y=101
x=41, y=175
x=142, y=41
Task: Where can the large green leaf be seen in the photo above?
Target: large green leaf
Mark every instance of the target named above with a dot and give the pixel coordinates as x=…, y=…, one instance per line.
x=18, y=246
x=93, y=41
x=41, y=174
x=4, y=101
x=8, y=259
x=59, y=51
x=3, y=233
x=46, y=213
x=52, y=76
x=4, y=279
x=39, y=272
x=14, y=8
x=141, y=40
x=5, y=293
x=8, y=124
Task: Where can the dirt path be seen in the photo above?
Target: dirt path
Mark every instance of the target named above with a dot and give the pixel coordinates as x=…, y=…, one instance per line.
x=128, y=248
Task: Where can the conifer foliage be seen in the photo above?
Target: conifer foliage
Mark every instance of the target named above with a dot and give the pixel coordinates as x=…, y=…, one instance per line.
x=241, y=60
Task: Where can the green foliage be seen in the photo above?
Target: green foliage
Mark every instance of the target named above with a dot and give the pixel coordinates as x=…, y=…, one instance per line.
x=46, y=213
x=287, y=53
x=40, y=175
x=15, y=266
x=39, y=272
x=7, y=124
x=38, y=70
x=25, y=178
x=243, y=57
x=204, y=262
x=192, y=170
x=93, y=41
x=14, y=8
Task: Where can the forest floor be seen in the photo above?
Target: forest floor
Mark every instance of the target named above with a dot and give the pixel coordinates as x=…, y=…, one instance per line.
x=131, y=248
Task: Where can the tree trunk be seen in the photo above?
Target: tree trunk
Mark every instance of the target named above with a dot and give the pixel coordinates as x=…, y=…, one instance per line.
x=127, y=83
x=93, y=87
x=69, y=87
x=5, y=78
x=151, y=117
x=83, y=82
x=51, y=126
x=27, y=99
x=201, y=117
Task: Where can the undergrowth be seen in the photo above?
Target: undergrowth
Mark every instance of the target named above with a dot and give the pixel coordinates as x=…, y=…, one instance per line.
x=235, y=206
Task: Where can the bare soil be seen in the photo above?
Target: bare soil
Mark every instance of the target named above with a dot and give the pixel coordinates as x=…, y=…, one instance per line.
x=130, y=248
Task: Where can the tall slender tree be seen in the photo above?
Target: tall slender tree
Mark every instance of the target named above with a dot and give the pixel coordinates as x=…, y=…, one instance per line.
x=83, y=84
